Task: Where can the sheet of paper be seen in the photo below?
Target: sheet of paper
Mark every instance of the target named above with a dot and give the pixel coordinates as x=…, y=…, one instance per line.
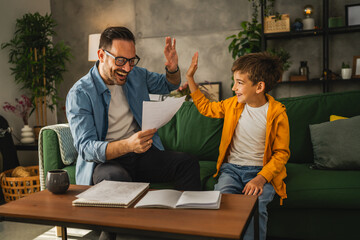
x=157, y=114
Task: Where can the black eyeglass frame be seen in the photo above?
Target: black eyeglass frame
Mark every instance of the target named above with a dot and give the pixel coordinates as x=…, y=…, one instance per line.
x=136, y=58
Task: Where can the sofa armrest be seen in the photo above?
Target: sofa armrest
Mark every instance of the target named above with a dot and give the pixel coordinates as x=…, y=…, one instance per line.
x=56, y=150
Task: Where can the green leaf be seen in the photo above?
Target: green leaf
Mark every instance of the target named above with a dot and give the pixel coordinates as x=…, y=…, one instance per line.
x=232, y=36
x=244, y=24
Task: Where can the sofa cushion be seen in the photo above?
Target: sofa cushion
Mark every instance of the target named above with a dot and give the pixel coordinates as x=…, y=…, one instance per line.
x=313, y=109
x=207, y=170
x=314, y=188
x=189, y=131
x=335, y=117
x=337, y=144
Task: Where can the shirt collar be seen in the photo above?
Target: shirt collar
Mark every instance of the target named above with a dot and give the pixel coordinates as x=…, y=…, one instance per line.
x=98, y=81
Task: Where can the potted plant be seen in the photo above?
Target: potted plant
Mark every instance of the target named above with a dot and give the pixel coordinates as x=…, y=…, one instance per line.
x=38, y=63
x=248, y=40
x=283, y=55
x=345, y=71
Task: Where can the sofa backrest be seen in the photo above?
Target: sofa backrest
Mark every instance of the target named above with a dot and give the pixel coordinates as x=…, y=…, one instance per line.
x=189, y=131
x=313, y=109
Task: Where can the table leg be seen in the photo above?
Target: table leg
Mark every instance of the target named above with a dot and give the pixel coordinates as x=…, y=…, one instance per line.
x=256, y=221
x=63, y=233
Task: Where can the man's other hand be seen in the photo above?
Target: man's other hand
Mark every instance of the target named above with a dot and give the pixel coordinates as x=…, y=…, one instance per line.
x=141, y=141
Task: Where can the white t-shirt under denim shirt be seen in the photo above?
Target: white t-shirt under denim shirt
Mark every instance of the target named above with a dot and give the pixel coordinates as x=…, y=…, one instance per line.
x=121, y=120
x=248, y=143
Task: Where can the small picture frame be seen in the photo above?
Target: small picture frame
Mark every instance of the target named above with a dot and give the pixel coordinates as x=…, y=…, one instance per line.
x=352, y=13
x=356, y=67
x=212, y=90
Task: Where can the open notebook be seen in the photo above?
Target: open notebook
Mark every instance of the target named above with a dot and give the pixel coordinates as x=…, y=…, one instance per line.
x=176, y=199
x=111, y=194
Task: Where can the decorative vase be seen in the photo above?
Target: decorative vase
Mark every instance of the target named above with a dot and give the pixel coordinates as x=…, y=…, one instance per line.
x=27, y=135
x=346, y=73
x=298, y=26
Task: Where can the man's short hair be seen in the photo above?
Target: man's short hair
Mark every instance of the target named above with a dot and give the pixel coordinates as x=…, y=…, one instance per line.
x=260, y=67
x=111, y=33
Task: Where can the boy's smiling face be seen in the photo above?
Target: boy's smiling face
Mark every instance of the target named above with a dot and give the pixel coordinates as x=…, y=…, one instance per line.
x=247, y=92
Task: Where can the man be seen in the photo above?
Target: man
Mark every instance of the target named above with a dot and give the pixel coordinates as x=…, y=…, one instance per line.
x=104, y=110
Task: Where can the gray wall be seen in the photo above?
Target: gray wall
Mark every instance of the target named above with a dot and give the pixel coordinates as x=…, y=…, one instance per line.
x=198, y=25
x=9, y=90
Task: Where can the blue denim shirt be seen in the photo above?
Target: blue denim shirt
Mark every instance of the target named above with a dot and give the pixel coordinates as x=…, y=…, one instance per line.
x=87, y=106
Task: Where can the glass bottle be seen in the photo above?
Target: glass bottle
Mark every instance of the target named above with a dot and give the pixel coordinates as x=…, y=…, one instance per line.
x=304, y=69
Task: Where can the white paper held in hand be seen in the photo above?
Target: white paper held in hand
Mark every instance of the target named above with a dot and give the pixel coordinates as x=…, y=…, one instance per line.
x=157, y=114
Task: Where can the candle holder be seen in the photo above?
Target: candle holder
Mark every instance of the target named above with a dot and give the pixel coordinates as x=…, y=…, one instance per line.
x=308, y=21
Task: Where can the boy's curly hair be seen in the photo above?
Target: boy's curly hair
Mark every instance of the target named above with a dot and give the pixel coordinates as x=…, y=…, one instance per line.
x=260, y=67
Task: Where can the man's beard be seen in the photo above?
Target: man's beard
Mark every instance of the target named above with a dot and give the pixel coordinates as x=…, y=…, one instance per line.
x=114, y=77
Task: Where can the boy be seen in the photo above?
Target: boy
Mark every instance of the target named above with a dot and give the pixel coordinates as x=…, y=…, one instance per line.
x=254, y=146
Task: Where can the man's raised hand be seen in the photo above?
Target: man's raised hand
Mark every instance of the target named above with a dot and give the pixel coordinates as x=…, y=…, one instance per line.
x=171, y=55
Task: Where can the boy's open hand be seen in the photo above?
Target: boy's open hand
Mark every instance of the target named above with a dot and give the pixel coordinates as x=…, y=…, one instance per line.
x=193, y=67
x=255, y=186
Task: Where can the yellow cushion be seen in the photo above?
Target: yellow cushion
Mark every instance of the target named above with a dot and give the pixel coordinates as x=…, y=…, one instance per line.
x=335, y=117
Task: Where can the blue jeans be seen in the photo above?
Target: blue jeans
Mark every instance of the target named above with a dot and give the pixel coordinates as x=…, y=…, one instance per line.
x=233, y=179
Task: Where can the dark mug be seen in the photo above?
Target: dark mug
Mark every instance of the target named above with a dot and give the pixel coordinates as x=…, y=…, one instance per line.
x=57, y=181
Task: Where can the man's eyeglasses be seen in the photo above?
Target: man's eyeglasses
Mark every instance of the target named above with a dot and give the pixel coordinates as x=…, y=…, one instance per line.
x=121, y=61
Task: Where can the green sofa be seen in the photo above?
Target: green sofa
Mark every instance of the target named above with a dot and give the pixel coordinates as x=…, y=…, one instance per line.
x=321, y=204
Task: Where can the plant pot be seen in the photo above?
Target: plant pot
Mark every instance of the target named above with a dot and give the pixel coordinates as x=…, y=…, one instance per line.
x=346, y=73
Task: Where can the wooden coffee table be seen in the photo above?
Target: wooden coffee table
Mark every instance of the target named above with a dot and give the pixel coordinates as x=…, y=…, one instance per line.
x=46, y=208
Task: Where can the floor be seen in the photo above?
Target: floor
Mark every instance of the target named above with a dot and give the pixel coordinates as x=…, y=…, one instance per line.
x=26, y=231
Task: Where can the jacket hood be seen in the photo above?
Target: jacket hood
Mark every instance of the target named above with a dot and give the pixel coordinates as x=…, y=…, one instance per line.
x=275, y=108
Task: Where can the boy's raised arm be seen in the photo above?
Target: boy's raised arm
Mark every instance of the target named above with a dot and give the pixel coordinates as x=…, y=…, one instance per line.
x=191, y=72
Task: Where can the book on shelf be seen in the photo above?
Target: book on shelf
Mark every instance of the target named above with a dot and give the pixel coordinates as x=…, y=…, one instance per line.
x=177, y=199
x=111, y=194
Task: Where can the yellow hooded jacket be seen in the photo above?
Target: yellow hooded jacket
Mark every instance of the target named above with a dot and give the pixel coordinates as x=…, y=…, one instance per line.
x=277, y=150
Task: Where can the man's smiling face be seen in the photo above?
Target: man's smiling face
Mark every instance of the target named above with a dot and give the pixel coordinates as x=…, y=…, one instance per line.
x=110, y=72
